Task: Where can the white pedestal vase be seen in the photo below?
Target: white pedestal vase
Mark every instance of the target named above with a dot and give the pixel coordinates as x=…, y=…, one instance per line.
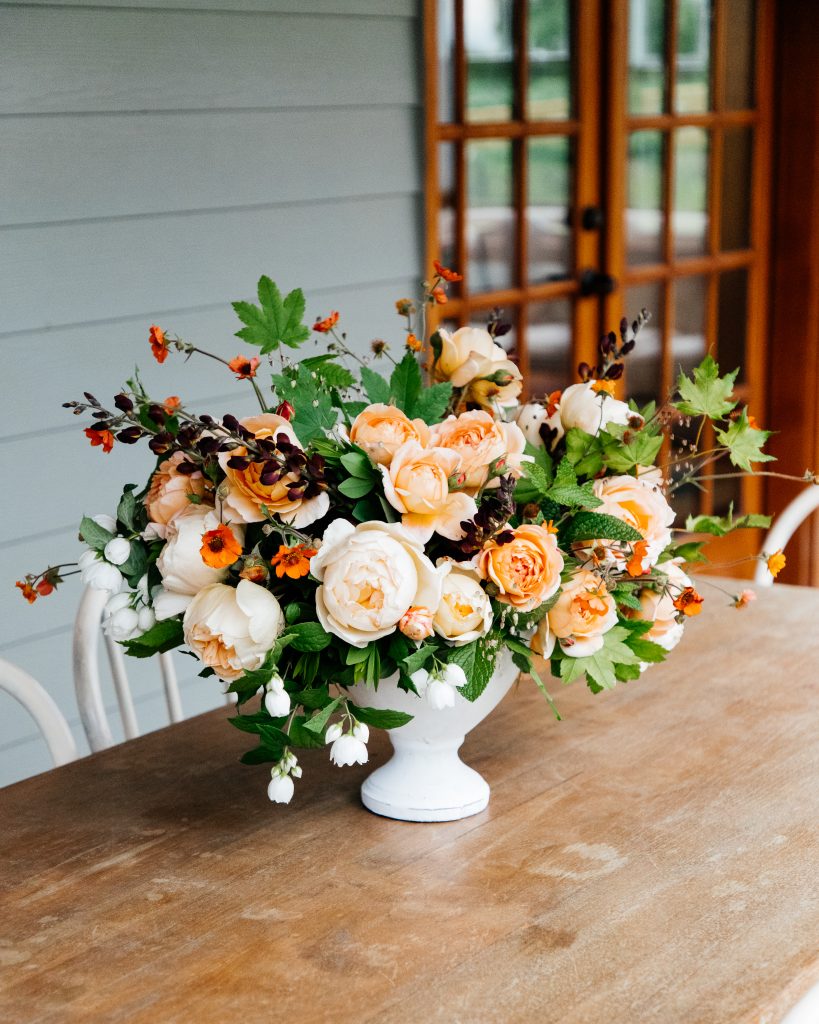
x=425, y=779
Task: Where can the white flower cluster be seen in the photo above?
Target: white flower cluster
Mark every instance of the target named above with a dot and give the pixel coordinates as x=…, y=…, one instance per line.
x=280, y=788
x=348, y=747
x=439, y=686
x=100, y=570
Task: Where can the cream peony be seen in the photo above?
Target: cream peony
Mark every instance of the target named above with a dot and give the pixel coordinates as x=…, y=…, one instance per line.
x=465, y=611
x=582, y=614
x=370, y=575
x=381, y=430
x=248, y=495
x=471, y=354
x=416, y=484
x=180, y=563
x=480, y=440
x=231, y=630
x=583, y=407
x=638, y=502
x=170, y=493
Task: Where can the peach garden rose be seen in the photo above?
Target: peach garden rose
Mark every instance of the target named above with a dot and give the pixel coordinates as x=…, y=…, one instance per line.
x=640, y=504
x=582, y=615
x=465, y=611
x=526, y=569
x=171, y=493
x=480, y=440
x=381, y=429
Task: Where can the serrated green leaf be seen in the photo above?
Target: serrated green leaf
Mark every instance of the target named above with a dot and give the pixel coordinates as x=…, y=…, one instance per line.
x=381, y=719
x=127, y=508
x=432, y=403
x=706, y=393
x=417, y=659
x=566, y=491
x=94, y=535
x=165, y=635
x=314, y=414
x=376, y=387
x=277, y=322
x=308, y=636
x=597, y=526
x=744, y=443
x=646, y=650
x=292, y=332
x=405, y=383
x=300, y=736
x=719, y=526
x=477, y=659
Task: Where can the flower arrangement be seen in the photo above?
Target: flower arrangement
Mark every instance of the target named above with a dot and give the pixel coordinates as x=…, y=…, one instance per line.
x=362, y=525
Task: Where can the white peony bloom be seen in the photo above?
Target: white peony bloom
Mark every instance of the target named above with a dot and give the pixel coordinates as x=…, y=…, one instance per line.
x=98, y=574
x=106, y=522
x=231, y=630
x=180, y=563
x=370, y=575
x=281, y=788
x=530, y=419
x=589, y=410
x=465, y=611
x=347, y=750
x=117, y=550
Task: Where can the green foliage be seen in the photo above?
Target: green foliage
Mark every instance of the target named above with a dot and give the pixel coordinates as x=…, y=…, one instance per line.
x=744, y=443
x=523, y=659
x=165, y=635
x=583, y=452
x=363, y=476
x=406, y=384
x=308, y=636
x=330, y=372
x=566, y=491
x=376, y=387
x=314, y=412
x=600, y=667
x=477, y=659
x=597, y=526
x=719, y=526
x=94, y=535
x=318, y=722
x=130, y=512
x=406, y=392
x=275, y=321
x=706, y=393
x=431, y=404
x=381, y=719
x=690, y=551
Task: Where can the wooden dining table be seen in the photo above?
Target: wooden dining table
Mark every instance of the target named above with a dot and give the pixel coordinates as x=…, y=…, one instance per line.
x=654, y=857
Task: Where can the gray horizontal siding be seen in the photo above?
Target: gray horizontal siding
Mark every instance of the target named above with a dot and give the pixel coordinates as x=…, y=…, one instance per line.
x=156, y=159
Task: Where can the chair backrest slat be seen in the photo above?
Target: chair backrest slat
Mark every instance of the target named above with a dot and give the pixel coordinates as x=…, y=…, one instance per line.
x=171, y=687
x=39, y=704
x=116, y=659
x=786, y=525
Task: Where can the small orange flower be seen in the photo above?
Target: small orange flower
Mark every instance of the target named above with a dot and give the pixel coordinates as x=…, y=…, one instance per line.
x=634, y=565
x=553, y=402
x=45, y=587
x=776, y=563
x=295, y=561
x=744, y=599
x=549, y=527
x=171, y=404
x=446, y=273
x=326, y=325
x=28, y=592
x=752, y=423
x=689, y=602
x=601, y=386
x=243, y=367
x=159, y=346
x=413, y=343
x=220, y=547
x=100, y=437
x=440, y=296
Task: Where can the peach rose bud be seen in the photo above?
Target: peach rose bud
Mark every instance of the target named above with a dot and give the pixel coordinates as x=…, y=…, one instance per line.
x=416, y=623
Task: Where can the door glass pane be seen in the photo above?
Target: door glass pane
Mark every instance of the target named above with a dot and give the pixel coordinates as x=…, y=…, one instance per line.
x=549, y=341
x=690, y=219
x=644, y=366
x=740, y=17
x=646, y=57
x=732, y=320
x=688, y=345
x=693, y=92
x=547, y=213
x=644, y=214
x=735, y=208
x=488, y=38
x=490, y=217
x=446, y=60
x=549, y=93
x=447, y=227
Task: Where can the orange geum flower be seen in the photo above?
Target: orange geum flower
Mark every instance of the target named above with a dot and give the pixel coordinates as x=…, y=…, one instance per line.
x=293, y=562
x=634, y=566
x=413, y=344
x=688, y=601
x=446, y=273
x=776, y=563
x=220, y=547
x=601, y=386
x=744, y=599
x=326, y=325
x=243, y=367
x=171, y=404
x=159, y=345
x=100, y=437
x=439, y=295
x=28, y=592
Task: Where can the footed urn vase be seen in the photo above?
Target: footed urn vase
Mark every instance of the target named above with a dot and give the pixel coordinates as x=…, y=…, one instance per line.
x=425, y=779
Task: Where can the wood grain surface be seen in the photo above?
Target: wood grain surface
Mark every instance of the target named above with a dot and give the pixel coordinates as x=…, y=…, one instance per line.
x=653, y=858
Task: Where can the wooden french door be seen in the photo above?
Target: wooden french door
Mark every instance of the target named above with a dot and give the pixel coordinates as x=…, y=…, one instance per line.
x=587, y=158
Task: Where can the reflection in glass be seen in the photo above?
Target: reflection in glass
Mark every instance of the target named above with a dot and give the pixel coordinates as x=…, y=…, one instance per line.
x=644, y=366
x=732, y=319
x=646, y=57
x=490, y=218
x=740, y=18
x=693, y=91
x=688, y=344
x=735, y=208
x=549, y=343
x=549, y=92
x=690, y=216
x=447, y=227
x=644, y=214
x=490, y=60
x=446, y=60
x=547, y=212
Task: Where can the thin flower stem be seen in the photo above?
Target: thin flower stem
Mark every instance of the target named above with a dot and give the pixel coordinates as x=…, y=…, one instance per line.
x=193, y=348
x=761, y=472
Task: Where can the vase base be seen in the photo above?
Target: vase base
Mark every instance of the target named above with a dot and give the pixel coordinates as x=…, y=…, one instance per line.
x=393, y=794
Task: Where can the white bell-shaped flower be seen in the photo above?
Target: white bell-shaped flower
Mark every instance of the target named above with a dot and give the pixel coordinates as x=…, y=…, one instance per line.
x=98, y=574
x=420, y=680
x=281, y=788
x=440, y=694
x=454, y=675
x=347, y=750
x=361, y=732
x=277, y=703
x=333, y=732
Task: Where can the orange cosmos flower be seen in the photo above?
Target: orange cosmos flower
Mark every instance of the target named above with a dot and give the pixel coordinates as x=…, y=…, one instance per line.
x=440, y=296
x=28, y=592
x=243, y=367
x=220, y=547
x=294, y=562
x=159, y=346
x=413, y=343
x=326, y=325
x=689, y=602
x=634, y=565
x=446, y=273
x=171, y=404
x=744, y=599
x=776, y=563
x=100, y=437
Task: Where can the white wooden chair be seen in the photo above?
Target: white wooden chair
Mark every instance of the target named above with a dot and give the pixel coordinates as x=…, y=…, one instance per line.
x=786, y=525
x=39, y=704
x=87, y=682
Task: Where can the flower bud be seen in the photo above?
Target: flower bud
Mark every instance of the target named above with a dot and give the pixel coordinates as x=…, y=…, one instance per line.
x=285, y=410
x=117, y=550
x=280, y=789
x=416, y=623
x=333, y=732
x=277, y=703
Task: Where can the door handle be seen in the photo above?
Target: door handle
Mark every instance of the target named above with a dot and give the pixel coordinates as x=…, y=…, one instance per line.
x=593, y=282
